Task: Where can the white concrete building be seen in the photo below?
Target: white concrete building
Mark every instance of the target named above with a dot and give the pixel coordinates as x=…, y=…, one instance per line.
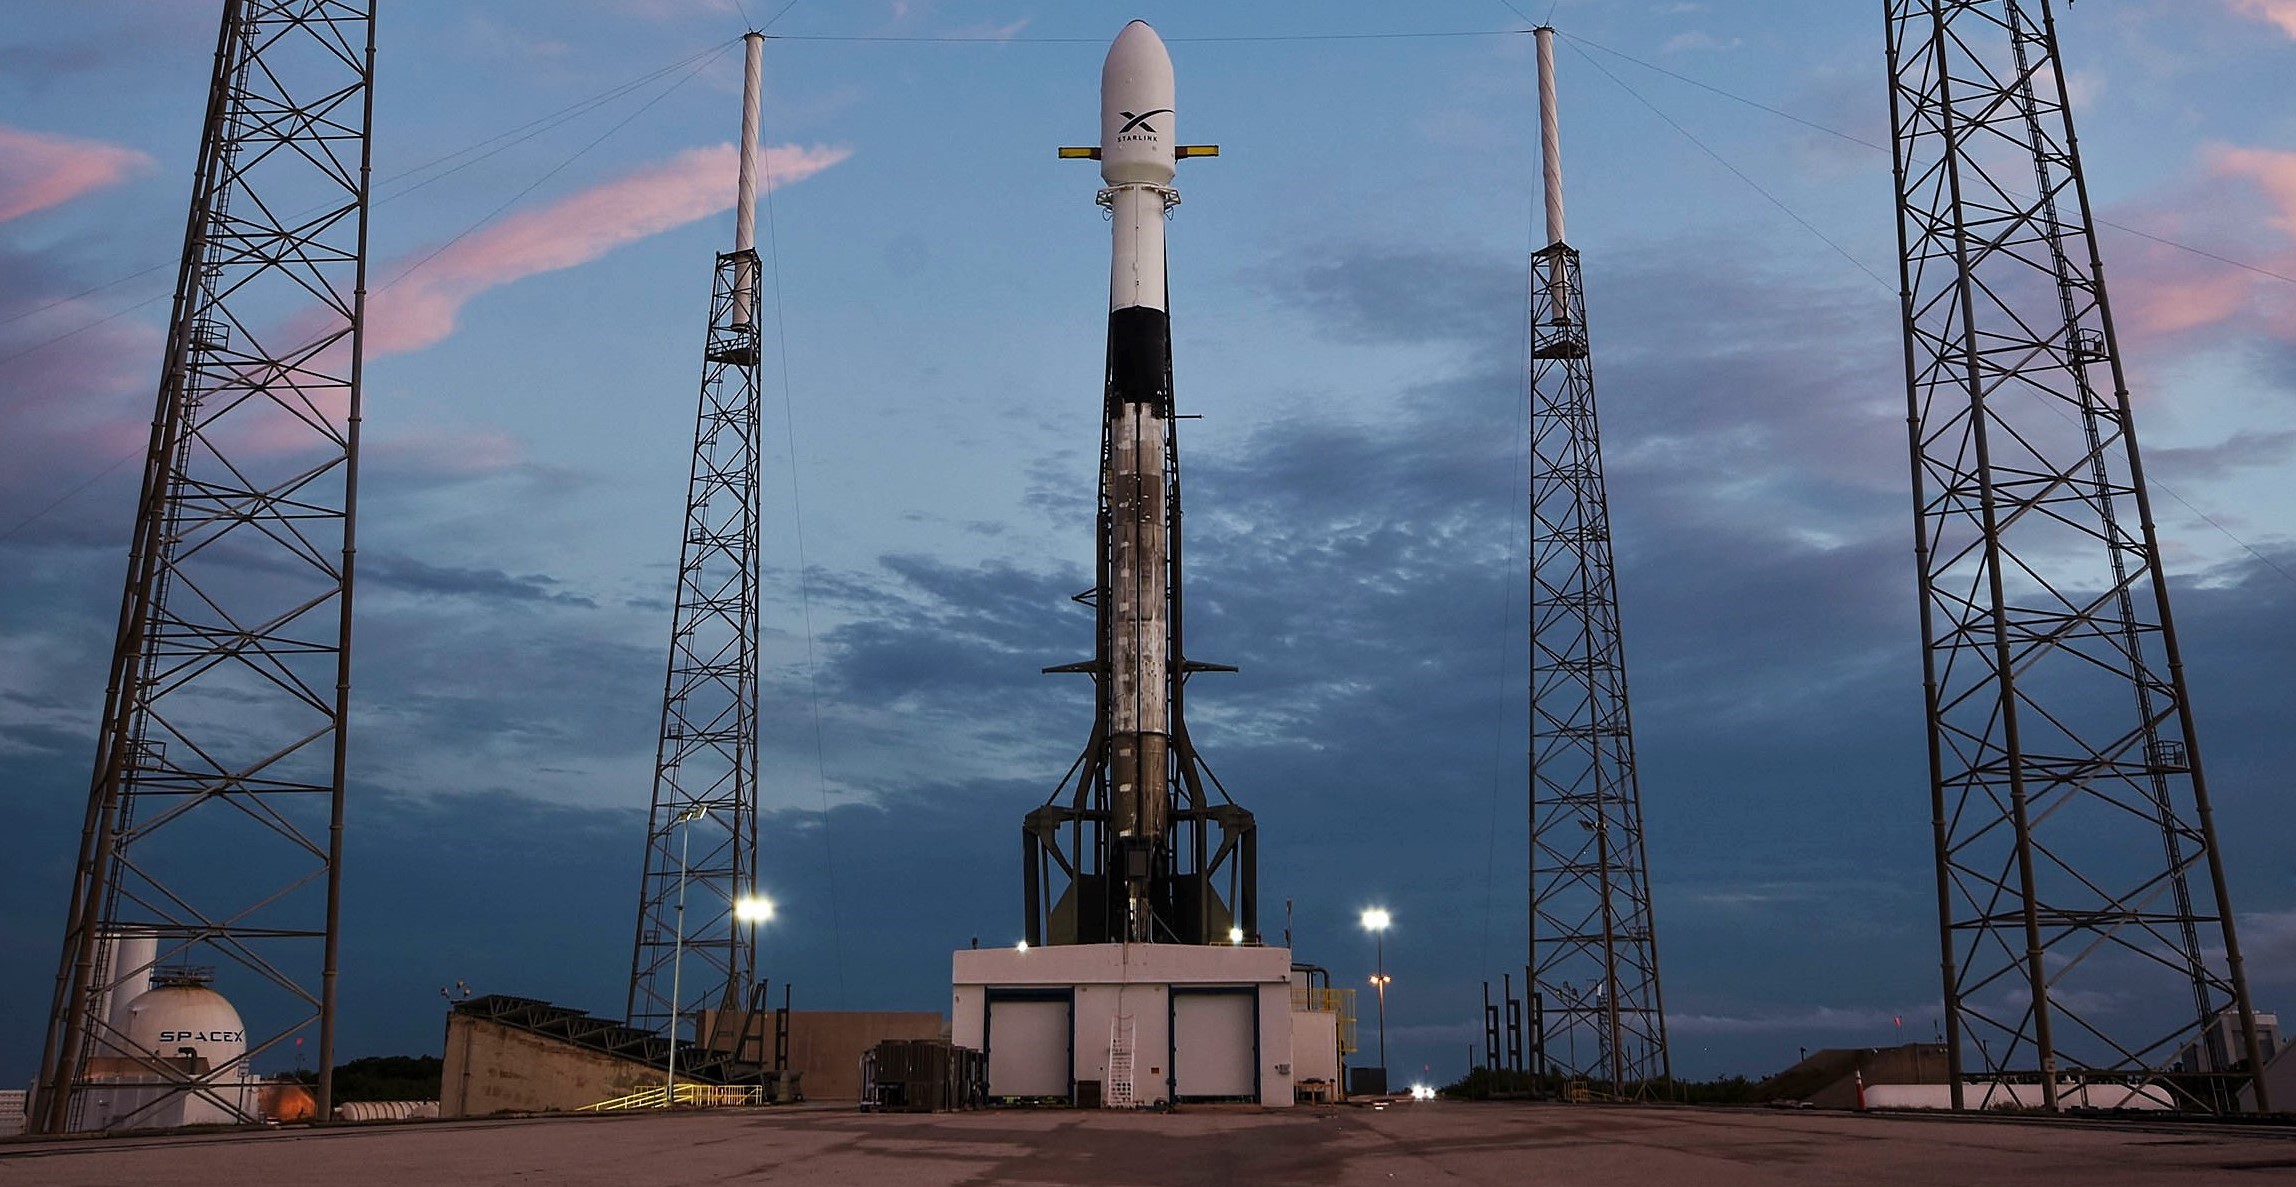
x=1129, y=1025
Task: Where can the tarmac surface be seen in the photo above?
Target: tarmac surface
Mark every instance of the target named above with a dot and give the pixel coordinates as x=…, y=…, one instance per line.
x=1438, y=1142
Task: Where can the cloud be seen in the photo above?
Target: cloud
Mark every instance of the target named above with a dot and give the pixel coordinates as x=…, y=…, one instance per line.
x=662, y=10
x=68, y=413
x=2272, y=170
x=2278, y=12
x=420, y=306
x=431, y=453
x=2176, y=292
x=2241, y=451
x=1688, y=42
x=410, y=575
x=1004, y=32
x=1815, y=1020
x=39, y=170
x=2270, y=940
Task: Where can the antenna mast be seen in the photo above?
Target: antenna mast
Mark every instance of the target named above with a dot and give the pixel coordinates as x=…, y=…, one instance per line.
x=705, y=768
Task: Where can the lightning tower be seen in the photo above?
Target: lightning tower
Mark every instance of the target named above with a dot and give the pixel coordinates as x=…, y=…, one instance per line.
x=705, y=769
x=2084, y=926
x=214, y=827
x=1594, y=955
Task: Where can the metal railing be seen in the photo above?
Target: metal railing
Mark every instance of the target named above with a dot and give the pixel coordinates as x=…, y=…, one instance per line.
x=1330, y=1001
x=687, y=1096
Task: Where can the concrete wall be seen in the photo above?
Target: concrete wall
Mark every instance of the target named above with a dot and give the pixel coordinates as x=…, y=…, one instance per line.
x=2279, y=1081
x=1134, y=979
x=826, y=1045
x=2009, y=1097
x=492, y=1068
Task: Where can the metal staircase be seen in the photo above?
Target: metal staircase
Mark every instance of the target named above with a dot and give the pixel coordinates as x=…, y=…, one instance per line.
x=1120, y=1038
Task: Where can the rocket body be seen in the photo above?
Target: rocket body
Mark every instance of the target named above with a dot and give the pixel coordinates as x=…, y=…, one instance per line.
x=1137, y=156
x=1147, y=855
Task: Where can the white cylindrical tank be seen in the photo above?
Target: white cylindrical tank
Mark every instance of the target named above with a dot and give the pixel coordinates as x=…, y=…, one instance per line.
x=127, y=977
x=177, y=1020
x=387, y=1110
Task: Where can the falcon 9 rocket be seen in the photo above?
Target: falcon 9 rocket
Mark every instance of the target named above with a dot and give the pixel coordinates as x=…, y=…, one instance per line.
x=1146, y=846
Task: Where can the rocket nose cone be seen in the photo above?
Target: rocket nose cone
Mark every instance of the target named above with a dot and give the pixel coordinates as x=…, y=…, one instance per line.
x=1136, y=101
x=1135, y=50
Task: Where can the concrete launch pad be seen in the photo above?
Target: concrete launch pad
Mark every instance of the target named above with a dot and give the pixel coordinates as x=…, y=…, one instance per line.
x=1582, y=1146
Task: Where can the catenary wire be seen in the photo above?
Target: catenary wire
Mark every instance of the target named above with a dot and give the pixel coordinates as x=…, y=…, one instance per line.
x=2154, y=482
x=555, y=170
x=555, y=119
x=775, y=19
x=990, y=39
x=804, y=574
x=702, y=64
x=1738, y=173
x=1862, y=142
x=1518, y=497
x=530, y=129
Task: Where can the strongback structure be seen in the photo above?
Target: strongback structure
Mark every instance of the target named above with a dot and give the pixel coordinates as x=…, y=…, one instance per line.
x=706, y=769
x=1594, y=955
x=215, y=814
x=1136, y=843
x=2086, y=936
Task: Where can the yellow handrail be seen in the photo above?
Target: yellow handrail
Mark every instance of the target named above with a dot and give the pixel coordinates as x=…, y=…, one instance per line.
x=1330, y=1001
x=702, y=1096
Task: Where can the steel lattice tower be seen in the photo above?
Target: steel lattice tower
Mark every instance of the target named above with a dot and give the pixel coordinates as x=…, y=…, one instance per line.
x=1594, y=954
x=223, y=721
x=2079, y=887
x=706, y=768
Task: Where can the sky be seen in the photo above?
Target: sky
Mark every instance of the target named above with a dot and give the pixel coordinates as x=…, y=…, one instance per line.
x=1348, y=285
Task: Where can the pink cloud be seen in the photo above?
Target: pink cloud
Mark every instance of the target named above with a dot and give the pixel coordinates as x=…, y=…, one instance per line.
x=420, y=310
x=2272, y=170
x=38, y=170
x=2167, y=293
x=2278, y=12
x=67, y=415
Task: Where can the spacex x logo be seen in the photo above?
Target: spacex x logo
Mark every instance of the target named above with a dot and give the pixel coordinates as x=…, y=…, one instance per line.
x=1141, y=120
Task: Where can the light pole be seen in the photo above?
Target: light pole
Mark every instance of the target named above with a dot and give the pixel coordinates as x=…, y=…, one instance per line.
x=678, y=945
x=1375, y=921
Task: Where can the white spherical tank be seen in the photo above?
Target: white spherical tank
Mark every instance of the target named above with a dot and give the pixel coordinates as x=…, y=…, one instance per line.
x=175, y=1020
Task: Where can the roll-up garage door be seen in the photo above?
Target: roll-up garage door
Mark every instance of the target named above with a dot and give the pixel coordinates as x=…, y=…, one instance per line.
x=1215, y=1045
x=1028, y=1042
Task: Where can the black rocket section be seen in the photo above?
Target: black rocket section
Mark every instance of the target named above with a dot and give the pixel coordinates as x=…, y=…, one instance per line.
x=1140, y=357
